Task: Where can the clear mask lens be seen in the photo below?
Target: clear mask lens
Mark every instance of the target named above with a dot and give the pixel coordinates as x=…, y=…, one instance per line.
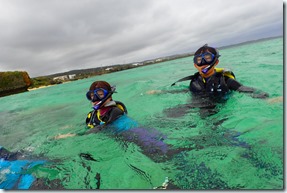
x=97, y=94
x=204, y=59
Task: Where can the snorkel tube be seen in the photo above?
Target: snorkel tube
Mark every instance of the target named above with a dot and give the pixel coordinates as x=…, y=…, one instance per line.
x=101, y=102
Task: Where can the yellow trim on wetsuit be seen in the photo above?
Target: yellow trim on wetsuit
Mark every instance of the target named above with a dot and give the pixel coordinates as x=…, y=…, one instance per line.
x=98, y=115
x=89, y=124
x=203, y=80
x=225, y=72
x=121, y=107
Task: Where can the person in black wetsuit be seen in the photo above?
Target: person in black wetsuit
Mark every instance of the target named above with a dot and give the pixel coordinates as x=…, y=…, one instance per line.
x=215, y=82
x=210, y=85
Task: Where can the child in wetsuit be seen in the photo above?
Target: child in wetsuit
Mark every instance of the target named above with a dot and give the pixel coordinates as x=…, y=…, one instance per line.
x=212, y=81
x=106, y=110
x=209, y=86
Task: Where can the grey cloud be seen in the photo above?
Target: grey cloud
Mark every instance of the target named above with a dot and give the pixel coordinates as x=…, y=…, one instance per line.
x=45, y=37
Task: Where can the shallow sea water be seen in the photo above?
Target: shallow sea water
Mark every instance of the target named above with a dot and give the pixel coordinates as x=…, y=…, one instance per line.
x=240, y=147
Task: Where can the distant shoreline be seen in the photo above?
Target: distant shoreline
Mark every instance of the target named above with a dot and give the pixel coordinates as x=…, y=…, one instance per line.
x=30, y=89
x=58, y=78
x=151, y=61
x=40, y=87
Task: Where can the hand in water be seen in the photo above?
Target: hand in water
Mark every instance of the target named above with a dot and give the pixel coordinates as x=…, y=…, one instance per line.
x=153, y=92
x=275, y=100
x=62, y=136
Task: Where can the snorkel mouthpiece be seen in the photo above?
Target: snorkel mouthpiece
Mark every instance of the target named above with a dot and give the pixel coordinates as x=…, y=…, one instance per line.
x=97, y=106
x=205, y=70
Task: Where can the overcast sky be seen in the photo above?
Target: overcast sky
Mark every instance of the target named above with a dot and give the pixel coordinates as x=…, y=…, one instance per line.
x=49, y=36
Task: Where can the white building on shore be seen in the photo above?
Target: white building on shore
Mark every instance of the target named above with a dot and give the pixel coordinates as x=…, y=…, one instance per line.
x=65, y=77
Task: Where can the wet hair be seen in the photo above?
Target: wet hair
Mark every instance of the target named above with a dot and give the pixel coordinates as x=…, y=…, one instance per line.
x=101, y=84
x=206, y=48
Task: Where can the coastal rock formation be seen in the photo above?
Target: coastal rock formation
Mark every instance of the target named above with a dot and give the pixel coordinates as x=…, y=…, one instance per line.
x=14, y=82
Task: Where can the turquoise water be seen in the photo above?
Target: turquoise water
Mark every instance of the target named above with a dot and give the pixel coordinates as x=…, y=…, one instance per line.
x=240, y=147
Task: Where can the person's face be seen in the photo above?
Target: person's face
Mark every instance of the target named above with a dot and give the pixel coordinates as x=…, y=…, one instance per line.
x=210, y=71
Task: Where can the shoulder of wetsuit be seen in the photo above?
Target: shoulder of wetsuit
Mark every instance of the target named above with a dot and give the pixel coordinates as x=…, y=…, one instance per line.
x=194, y=76
x=226, y=72
x=121, y=106
x=114, y=114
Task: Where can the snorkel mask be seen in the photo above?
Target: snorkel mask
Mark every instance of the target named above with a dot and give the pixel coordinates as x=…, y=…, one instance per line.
x=207, y=56
x=101, y=95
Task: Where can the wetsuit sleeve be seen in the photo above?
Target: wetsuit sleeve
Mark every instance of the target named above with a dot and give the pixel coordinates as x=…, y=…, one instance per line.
x=235, y=85
x=232, y=84
x=168, y=91
x=96, y=129
x=254, y=92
